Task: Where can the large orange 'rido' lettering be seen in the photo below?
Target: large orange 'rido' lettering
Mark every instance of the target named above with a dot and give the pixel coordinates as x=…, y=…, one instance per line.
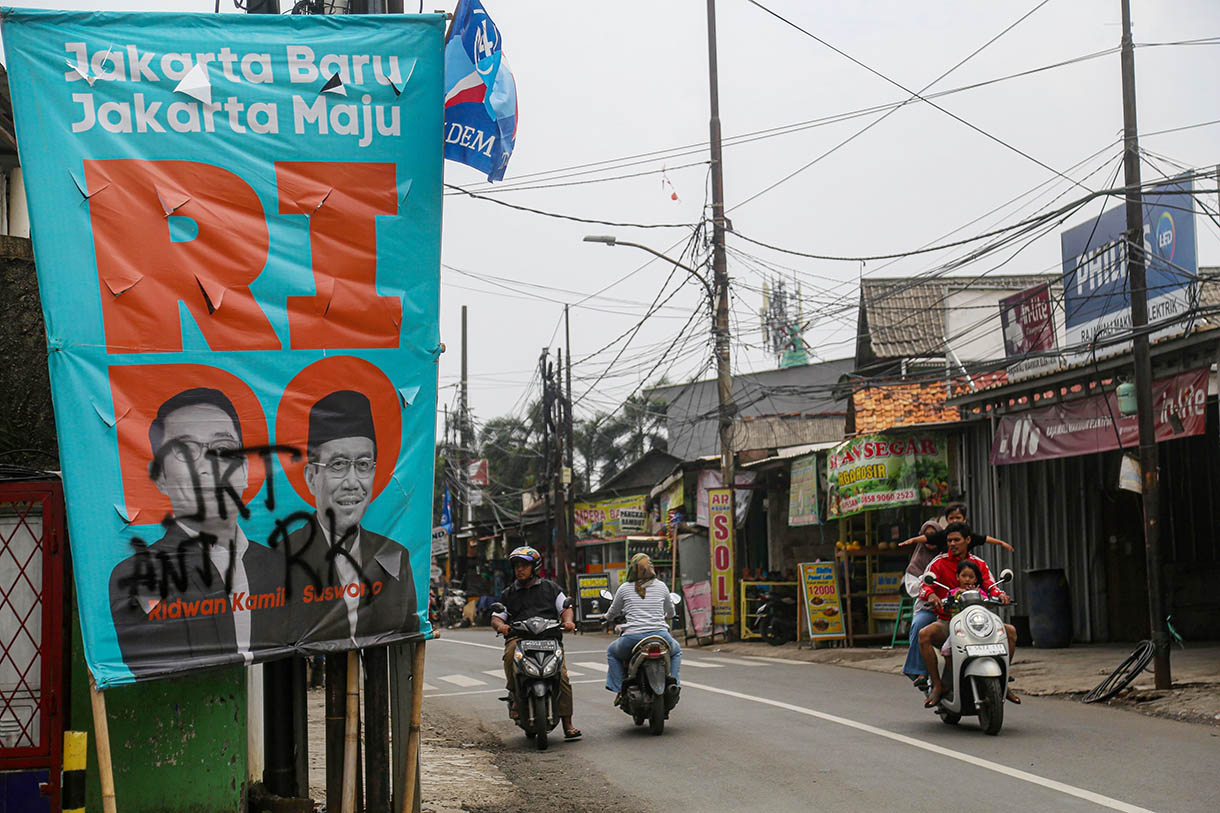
x=144, y=273
x=342, y=201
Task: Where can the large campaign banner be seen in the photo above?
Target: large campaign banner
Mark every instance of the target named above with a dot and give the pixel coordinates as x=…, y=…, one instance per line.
x=882, y=471
x=1096, y=291
x=236, y=222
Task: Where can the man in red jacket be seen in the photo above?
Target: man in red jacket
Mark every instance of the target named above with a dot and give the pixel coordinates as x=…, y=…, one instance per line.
x=944, y=569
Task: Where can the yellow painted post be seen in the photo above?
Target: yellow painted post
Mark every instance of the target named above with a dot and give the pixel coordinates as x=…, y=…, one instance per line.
x=72, y=781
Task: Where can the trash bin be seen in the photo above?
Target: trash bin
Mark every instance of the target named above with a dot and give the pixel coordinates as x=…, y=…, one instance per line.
x=1050, y=610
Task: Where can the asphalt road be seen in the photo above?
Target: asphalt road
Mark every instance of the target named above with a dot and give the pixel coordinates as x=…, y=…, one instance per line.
x=758, y=733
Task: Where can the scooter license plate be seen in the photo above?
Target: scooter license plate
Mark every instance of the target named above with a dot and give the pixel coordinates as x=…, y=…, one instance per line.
x=986, y=649
x=543, y=646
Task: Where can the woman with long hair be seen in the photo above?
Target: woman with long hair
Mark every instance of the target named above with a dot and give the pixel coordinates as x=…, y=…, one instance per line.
x=644, y=601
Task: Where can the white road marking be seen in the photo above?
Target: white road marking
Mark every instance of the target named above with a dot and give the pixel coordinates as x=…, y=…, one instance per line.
x=788, y=661
x=462, y=680
x=698, y=665
x=500, y=647
x=594, y=665
x=574, y=673
x=494, y=691
x=733, y=662
x=428, y=687
x=969, y=759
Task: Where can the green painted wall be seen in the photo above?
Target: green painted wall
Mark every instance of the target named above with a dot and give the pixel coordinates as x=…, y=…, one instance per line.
x=177, y=745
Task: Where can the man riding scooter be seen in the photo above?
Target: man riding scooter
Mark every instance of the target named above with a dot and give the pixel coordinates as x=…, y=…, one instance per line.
x=529, y=597
x=944, y=569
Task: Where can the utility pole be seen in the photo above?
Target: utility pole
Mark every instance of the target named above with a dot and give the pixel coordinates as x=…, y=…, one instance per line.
x=1149, y=455
x=561, y=496
x=464, y=435
x=544, y=408
x=720, y=275
x=570, y=517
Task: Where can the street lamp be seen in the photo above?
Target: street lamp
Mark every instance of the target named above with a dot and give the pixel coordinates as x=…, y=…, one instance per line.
x=720, y=336
x=611, y=240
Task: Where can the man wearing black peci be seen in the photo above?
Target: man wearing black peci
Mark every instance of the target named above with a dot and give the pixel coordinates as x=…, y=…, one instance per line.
x=357, y=585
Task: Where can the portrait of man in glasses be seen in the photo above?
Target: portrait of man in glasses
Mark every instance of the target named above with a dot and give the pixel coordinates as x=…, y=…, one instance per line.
x=360, y=587
x=203, y=593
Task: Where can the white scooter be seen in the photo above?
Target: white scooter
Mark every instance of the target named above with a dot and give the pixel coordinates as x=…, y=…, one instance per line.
x=975, y=675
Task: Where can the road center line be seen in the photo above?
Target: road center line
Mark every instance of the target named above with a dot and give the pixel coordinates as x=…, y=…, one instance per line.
x=969, y=759
x=501, y=690
x=470, y=643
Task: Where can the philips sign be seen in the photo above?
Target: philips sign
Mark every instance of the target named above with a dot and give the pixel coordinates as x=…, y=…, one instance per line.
x=1096, y=292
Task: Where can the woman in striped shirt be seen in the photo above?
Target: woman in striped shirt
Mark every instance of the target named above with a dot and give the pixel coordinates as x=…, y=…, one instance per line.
x=644, y=602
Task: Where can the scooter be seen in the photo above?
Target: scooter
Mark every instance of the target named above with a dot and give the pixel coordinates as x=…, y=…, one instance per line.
x=975, y=675
x=649, y=690
x=776, y=620
x=453, y=607
x=537, y=665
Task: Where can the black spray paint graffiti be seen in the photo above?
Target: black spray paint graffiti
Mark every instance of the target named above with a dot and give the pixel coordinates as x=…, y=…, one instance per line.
x=314, y=561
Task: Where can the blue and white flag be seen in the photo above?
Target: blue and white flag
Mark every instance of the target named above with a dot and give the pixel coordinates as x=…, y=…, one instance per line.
x=480, y=93
x=447, y=513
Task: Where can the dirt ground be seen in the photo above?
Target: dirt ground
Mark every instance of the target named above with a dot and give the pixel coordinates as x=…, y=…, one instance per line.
x=467, y=769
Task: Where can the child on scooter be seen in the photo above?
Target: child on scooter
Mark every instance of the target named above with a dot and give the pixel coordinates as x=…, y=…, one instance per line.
x=969, y=577
x=955, y=512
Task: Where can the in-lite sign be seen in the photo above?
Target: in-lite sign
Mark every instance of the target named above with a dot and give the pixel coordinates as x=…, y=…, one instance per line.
x=720, y=534
x=1029, y=332
x=1096, y=293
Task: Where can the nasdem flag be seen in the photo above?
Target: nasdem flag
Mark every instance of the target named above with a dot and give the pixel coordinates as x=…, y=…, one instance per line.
x=480, y=94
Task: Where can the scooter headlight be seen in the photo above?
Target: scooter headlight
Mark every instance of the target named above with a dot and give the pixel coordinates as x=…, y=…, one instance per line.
x=526, y=664
x=980, y=623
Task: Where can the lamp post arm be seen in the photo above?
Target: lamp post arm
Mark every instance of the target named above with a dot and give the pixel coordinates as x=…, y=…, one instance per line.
x=707, y=286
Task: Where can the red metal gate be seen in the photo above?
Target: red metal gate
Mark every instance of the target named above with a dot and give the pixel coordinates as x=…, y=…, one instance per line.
x=31, y=629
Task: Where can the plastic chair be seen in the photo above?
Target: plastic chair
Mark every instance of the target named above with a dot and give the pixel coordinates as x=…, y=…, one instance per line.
x=906, y=610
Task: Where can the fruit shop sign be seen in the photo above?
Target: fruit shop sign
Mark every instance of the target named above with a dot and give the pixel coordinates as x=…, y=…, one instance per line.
x=882, y=471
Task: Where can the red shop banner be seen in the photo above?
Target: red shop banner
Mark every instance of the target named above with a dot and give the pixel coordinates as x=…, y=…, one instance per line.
x=1087, y=425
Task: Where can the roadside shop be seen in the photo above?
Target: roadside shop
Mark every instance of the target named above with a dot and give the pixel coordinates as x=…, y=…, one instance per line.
x=880, y=489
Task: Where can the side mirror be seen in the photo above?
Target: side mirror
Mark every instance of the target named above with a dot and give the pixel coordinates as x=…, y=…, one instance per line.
x=929, y=579
x=606, y=594
x=1005, y=576
x=675, y=598
x=499, y=608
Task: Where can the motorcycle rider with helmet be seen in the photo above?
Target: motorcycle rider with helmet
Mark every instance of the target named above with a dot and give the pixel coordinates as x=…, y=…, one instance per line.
x=532, y=597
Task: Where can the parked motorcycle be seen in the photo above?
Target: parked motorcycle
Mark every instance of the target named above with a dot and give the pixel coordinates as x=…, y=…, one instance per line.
x=537, y=665
x=452, y=608
x=776, y=621
x=975, y=675
x=649, y=689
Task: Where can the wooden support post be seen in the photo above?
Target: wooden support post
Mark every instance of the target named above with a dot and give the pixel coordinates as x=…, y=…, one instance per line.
x=417, y=702
x=351, y=732
x=377, y=728
x=336, y=684
x=101, y=738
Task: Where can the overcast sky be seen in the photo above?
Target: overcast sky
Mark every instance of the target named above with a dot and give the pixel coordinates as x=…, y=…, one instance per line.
x=599, y=81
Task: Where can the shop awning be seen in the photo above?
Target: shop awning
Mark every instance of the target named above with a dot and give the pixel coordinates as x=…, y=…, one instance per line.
x=1094, y=424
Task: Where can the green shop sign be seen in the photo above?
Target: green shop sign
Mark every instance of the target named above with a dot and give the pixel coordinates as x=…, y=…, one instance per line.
x=883, y=471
